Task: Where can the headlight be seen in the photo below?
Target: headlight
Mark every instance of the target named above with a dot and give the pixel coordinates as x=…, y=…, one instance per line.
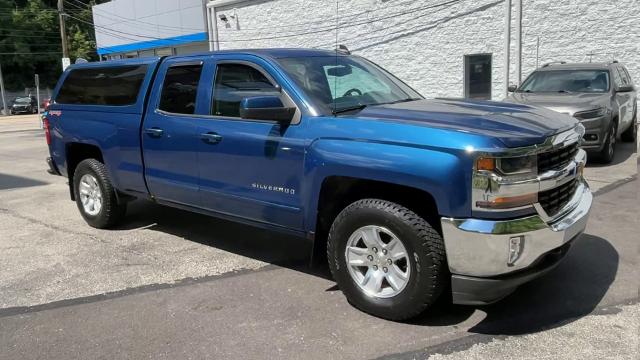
x=513, y=169
x=590, y=114
x=509, y=166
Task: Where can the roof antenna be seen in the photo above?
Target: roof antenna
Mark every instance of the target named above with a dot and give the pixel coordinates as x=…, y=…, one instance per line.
x=344, y=50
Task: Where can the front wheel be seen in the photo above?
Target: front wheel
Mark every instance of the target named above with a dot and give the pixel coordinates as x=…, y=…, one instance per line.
x=609, y=148
x=631, y=134
x=386, y=259
x=95, y=195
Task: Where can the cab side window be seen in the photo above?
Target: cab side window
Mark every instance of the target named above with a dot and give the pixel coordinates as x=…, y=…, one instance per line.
x=235, y=82
x=626, y=79
x=180, y=89
x=617, y=80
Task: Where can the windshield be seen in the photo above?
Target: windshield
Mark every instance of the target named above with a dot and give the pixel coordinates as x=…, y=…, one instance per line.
x=341, y=83
x=584, y=81
x=23, y=100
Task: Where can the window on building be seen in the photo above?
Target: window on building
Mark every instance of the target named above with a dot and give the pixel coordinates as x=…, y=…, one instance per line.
x=180, y=89
x=192, y=48
x=477, y=76
x=235, y=82
x=115, y=85
x=146, y=53
x=164, y=51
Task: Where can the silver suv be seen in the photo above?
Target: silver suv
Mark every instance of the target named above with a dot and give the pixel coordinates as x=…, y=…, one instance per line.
x=602, y=96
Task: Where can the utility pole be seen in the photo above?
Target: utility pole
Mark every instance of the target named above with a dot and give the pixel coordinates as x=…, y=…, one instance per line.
x=518, y=42
x=537, y=51
x=63, y=35
x=507, y=44
x=4, y=100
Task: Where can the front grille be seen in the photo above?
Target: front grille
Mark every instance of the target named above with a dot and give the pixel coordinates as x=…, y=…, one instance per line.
x=556, y=159
x=552, y=201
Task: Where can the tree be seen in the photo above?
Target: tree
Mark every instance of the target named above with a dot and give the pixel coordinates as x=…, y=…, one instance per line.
x=30, y=39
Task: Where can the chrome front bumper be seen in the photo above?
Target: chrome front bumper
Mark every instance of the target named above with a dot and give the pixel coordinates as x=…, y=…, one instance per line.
x=480, y=248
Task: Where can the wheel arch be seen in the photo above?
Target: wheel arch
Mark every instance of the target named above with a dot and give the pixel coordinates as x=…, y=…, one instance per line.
x=75, y=153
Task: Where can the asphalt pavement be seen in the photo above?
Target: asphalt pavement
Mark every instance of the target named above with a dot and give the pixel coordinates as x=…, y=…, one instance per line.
x=171, y=284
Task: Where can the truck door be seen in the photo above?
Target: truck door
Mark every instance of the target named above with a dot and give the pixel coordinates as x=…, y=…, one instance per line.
x=249, y=168
x=169, y=136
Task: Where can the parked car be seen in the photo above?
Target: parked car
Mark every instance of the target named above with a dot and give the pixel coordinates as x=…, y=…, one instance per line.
x=601, y=96
x=407, y=197
x=24, y=105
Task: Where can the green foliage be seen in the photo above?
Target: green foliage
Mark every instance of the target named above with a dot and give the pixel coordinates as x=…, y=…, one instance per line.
x=30, y=40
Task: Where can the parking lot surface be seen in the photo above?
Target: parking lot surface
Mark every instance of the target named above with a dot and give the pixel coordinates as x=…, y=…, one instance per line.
x=171, y=284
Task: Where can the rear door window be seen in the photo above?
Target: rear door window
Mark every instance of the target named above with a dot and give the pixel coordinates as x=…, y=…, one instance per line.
x=114, y=86
x=180, y=89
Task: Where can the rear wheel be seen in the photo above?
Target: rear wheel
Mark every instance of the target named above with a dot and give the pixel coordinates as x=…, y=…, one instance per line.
x=95, y=195
x=608, y=150
x=386, y=259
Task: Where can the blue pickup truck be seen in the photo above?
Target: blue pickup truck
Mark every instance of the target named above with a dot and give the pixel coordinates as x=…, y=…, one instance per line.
x=409, y=198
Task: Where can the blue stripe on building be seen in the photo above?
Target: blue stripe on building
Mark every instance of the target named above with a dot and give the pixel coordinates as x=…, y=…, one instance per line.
x=151, y=44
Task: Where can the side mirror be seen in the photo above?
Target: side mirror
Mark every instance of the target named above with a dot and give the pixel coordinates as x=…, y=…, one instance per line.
x=268, y=107
x=512, y=88
x=624, y=88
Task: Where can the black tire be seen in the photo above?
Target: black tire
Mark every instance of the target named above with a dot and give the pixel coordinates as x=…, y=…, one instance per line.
x=424, y=247
x=607, y=153
x=631, y=134
x=111, y=211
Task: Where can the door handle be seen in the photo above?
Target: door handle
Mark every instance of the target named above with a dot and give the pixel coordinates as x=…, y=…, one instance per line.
x=154, y=132
x=211, y=138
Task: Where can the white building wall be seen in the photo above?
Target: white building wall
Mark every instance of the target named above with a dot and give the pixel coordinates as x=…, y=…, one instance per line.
x=123, y=22
x=426, y=46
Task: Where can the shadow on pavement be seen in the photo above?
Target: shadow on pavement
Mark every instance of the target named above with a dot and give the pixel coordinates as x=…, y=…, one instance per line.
x=623, y=152
x=14, y=182
x=571, y=290
x=268, y=246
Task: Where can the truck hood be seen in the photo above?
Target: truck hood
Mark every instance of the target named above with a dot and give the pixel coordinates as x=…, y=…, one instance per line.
x=564, y=103
x=515, y=125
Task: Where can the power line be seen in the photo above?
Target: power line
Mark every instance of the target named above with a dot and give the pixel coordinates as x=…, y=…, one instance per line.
x=29, y=31
x=29, y=53
x=133, y=21
x=127, y=36
x=29, y=36
x=348, y=25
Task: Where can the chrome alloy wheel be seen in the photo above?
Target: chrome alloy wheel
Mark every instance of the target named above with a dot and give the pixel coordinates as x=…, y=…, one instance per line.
x=90, y=195
x=612, y=141
x=377, y=261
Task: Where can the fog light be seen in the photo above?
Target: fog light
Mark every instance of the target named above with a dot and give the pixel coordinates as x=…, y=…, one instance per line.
x=591, y=137
x=516, y=245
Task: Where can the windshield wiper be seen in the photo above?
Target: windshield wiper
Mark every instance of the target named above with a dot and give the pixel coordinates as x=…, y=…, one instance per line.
x=400, y=101
x=349, y=108
x=565, y=92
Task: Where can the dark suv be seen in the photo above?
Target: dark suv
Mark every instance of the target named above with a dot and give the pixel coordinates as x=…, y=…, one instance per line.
x=24, y=105
x=602, y=96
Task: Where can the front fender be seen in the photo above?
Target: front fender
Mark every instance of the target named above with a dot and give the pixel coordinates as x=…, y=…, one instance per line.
x=444, y=174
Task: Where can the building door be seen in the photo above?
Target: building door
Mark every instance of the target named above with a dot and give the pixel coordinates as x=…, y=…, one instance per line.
x=477, y=76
